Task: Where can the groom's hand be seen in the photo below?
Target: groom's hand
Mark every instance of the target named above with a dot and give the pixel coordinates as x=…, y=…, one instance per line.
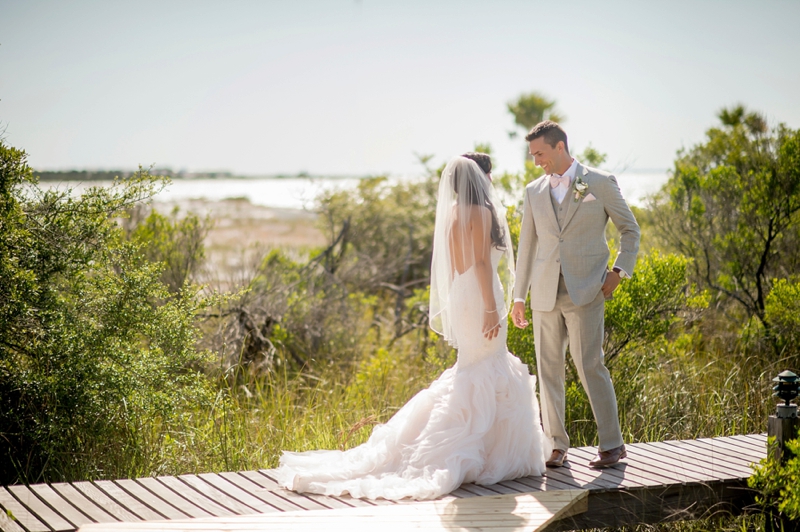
x=610, y=284
x=518, y=315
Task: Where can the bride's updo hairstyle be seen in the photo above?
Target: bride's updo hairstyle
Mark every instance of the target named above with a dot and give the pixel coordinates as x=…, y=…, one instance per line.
x=483, y=160
x=471, y=192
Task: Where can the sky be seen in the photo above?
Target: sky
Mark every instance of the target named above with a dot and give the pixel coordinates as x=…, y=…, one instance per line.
x=358, y=87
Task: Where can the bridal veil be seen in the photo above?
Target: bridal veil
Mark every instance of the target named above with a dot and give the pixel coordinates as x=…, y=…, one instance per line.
x=462, y=188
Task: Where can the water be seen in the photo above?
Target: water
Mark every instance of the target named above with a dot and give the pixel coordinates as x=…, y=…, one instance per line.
x=299, y=193
x=636, y=186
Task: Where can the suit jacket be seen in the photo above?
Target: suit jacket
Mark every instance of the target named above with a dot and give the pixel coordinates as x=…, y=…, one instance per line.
x=578, y=249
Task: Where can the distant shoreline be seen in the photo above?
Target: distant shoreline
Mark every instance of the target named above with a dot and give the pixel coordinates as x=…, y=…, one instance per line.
x=111, y=175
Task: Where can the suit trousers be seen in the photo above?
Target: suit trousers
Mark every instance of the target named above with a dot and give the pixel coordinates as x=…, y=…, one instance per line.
x=580, y=327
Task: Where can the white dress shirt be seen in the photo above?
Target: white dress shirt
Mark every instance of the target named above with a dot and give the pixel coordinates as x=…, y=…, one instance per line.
x=561, y=190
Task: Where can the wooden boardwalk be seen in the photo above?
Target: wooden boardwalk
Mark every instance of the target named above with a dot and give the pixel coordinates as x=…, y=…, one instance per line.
x=658, y=481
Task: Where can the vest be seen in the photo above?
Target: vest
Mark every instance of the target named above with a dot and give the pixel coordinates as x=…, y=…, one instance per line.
x=560, y=208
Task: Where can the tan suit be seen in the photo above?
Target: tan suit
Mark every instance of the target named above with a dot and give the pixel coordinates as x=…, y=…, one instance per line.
x=563, y=261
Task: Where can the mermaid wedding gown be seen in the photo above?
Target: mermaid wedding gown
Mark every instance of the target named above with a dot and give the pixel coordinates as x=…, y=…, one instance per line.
x=478, y=422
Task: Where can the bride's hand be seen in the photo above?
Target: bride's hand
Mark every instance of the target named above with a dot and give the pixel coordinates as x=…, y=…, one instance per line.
x=491, y=324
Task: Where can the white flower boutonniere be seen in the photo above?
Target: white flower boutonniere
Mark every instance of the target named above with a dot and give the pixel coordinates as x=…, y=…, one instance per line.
x=580, y=188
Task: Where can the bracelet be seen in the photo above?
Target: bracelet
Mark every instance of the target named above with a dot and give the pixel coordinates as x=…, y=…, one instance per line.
x=491, y=311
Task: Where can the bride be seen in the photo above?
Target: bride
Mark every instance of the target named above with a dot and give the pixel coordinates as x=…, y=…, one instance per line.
x=479, y=421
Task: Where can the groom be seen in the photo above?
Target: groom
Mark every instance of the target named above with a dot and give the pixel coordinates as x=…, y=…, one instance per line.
x=563, y=261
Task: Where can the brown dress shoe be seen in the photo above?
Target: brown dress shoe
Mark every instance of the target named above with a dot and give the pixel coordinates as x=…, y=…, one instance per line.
x=608, y=458
x=557, y=459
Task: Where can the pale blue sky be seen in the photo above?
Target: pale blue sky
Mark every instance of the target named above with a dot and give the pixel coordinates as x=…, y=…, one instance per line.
x=357, y=87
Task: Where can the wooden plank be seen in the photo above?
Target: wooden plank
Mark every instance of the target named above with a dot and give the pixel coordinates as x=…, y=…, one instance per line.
x=638, y=472
x=86, y=505
x=684, y=468
x=60, y=504
x=516, y=486
x=673, y=468
x=478, y=490
x=496, y=513
x=21, y=515
x=171, y=497
x=95, y=494
x=720, y=457
x=501, y=488
x=352, y=501
x=731, y=447
x=147, y=497
x=268, y=484
x=742, y=447
x=629, y=475
x=543, y=484
x=42, y=511
x=725, y=451
x=754, y=441
x=127, y=501
x=719, y=467
x=254, y=489
x=590, y=478
x=712, y=465
x=576, y=474
x=344, y=499
x=563, y=476
x=194, y=496
x=242, y=496
x=462, y=494
x=756, y=438
x=342, y=502
x=7, y=524
x=747, y=446
x=220, y=497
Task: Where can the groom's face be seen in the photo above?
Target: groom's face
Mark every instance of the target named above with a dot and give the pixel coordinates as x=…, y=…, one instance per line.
x=545, y=155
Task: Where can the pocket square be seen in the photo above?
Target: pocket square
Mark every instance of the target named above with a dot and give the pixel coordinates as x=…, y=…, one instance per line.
x=589, y=197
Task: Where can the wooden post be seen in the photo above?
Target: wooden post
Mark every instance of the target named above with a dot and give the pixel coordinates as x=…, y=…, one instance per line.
x=782, y=429
x=783, y=425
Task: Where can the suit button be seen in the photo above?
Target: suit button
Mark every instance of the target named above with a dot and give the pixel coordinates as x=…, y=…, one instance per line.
x=558, y=260
x=560, y=239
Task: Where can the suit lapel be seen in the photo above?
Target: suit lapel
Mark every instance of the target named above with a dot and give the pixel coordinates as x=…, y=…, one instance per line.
x=580, y=171
x=543, y=202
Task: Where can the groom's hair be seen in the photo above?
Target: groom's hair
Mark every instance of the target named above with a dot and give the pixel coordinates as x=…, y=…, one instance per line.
x=551, y=132
x=483, y=160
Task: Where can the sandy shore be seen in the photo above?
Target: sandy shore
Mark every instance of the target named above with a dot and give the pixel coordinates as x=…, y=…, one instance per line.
x=240, y=229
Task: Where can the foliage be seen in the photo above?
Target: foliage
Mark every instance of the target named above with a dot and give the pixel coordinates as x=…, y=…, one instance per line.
x=371, y=280
x=531, y=108
x=93, y=347
x=732, y=204
x=782, y=310
x=778, y=482
x=645, y=307
x=174, y=242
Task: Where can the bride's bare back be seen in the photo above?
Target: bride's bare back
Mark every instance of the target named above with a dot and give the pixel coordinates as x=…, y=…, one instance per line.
x=470, y=245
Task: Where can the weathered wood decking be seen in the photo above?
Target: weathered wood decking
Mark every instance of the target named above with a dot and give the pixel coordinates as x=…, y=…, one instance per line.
x=658, y=481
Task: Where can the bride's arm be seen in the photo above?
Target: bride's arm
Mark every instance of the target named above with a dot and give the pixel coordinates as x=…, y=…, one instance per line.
x=480, y=228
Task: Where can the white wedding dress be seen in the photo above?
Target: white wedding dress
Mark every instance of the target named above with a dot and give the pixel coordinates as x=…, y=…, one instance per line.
x=478, y=422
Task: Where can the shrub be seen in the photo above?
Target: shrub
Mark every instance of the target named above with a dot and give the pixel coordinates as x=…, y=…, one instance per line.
x=97, y=356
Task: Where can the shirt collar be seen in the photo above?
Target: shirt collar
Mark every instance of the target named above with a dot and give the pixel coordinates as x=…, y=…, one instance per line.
x=572, y=170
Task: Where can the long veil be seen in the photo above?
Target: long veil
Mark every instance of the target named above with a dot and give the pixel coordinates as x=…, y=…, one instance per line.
x=464, y=189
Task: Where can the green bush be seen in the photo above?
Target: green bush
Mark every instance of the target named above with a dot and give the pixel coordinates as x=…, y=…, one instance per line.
x=779, y=483
x=97, y=356
x=783, y=313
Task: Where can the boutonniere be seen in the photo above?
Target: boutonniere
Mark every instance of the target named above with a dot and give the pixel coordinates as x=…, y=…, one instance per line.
x=580, y=188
